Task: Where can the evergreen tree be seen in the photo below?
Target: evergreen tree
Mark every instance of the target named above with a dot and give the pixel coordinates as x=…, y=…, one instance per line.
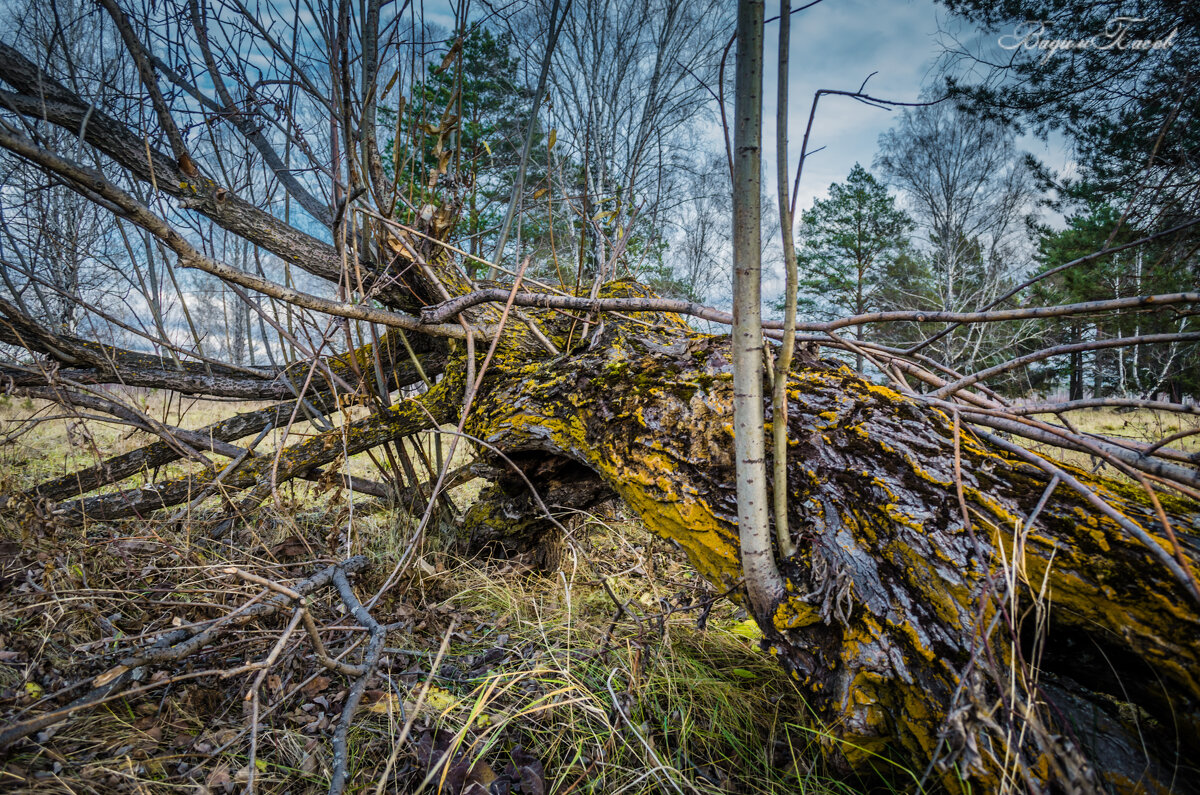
x=1137, y=370
x=853, y=251
x=1126, y=97
x=492, y=113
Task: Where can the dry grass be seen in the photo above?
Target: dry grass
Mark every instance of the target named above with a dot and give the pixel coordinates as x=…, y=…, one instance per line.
x=534, y=662
x=40, y=440
x=540, y=678
x=1141, y=425
x=539, y=669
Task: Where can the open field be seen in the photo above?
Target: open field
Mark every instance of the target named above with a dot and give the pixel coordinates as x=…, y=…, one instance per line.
x=44, y=443
x=1141, y=426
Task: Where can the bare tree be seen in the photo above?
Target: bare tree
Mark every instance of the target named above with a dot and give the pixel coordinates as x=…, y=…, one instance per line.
x=698, y=250
x=630, y=86
x=55, y=243
x=969, y=190
x=763, y=581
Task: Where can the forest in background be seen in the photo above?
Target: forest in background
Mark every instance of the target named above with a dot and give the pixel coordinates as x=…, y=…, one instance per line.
x=623, y=175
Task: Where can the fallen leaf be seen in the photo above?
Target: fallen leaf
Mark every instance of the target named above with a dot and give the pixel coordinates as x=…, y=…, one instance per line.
x=748, y=629
x=386, y=705
x=219, y=777
x=291, y=547
x=531, y=773
x=223, y=736
x=316, y=685
x=440, y=699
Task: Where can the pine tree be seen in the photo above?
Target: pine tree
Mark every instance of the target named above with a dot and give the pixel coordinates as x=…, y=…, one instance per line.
x=853, y=251
x=1139, y=370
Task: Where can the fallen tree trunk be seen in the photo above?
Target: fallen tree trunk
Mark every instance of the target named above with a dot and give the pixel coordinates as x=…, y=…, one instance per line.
x=952, y=600
x=1011, y=633
x=120, y=467
x=911, y=631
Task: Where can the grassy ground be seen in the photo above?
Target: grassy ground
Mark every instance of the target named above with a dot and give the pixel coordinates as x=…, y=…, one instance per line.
x=1136, y=426
x=544, y=686
x=35, y=446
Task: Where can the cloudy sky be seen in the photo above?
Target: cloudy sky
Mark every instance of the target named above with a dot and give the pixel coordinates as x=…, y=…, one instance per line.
x=836, y=45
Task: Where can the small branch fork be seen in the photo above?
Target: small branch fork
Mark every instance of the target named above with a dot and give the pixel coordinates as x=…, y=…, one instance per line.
x=341, y=754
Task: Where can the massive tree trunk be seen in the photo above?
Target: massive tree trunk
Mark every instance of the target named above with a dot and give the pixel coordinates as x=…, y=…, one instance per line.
x=1035, y=645
x=909, y=630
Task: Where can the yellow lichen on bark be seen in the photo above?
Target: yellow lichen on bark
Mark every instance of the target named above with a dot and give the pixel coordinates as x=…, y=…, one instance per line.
x=890, y=597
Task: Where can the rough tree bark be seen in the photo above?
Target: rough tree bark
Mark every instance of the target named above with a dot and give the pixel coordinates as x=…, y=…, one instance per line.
x=897, y=622
x=890, y=623
x=911, y=631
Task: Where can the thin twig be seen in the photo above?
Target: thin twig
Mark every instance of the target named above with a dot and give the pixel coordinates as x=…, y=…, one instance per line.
x=341, y=753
